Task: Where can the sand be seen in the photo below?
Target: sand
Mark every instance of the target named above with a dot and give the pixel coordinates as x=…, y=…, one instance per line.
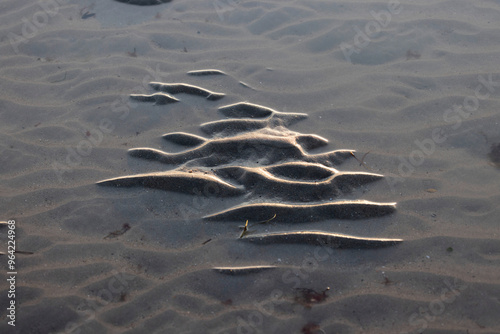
x=412, y=89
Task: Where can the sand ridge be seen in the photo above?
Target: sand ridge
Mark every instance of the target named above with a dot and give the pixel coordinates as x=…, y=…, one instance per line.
x=274, y=146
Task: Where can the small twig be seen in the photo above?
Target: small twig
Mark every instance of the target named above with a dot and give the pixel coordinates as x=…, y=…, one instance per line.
x=245, y=229
x=206, y=242
x=361, y=162
x=266, y=221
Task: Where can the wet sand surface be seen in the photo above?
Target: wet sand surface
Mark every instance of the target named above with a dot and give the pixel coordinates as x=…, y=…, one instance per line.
x=251, y=167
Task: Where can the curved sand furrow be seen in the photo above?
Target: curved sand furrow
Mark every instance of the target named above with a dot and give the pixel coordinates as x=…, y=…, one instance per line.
x=259, y=181
x=182, y=88
x=187, y=182
x=269, y=147
x=297, y=213
x=322, y=239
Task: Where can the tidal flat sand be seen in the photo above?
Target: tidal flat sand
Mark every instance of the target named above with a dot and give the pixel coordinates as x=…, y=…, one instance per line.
x=411, y=90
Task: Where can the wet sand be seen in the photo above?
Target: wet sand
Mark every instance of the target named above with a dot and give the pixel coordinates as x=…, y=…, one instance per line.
x=416, y=102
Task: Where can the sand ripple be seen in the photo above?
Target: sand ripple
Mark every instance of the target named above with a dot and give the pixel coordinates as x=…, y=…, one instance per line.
x=298, y=175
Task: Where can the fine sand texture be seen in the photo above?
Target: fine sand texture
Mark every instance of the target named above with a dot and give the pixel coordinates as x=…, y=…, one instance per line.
x=236, y=166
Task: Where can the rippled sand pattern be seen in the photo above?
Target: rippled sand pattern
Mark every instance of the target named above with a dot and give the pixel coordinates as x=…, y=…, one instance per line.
x=214, y=163
x=239, y=207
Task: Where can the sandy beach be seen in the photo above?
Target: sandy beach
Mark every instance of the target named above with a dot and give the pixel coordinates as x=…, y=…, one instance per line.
x=341, y=174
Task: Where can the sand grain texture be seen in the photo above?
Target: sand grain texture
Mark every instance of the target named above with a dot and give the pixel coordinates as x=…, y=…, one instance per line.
x=418, y=101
